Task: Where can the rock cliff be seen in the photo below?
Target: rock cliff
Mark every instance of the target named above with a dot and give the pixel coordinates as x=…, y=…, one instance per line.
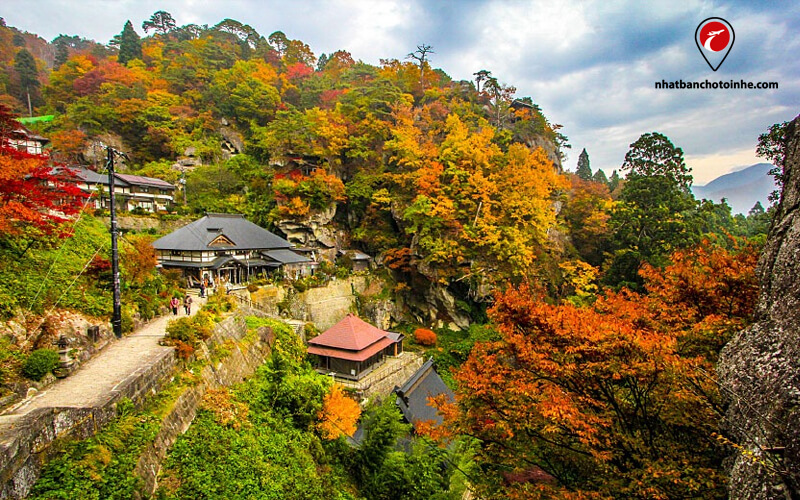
x=760, y=368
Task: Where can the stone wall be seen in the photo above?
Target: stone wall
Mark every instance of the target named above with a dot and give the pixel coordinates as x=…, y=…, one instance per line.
x=326, y=306
x=143, y=222
x=240, y=364
x=323, y=306
x=26, y=441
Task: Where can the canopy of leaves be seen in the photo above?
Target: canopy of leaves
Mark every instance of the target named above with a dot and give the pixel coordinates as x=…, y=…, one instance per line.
x=615, y=400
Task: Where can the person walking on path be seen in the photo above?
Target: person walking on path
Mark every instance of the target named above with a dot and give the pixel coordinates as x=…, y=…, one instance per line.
x=187, y=304
x=202, y=289
x=174, y=303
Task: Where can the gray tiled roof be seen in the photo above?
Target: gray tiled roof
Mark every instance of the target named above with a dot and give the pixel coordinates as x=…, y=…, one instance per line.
x=285, y=256
x=138, y=180
x=244, y=234
x=412, y=397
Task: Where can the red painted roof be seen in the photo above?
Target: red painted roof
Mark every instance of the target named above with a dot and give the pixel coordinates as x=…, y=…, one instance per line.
x=351, y=334
x=361, y=355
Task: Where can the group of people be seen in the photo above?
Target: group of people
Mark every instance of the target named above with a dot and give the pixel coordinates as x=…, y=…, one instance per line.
x=205, y=285
x=187, y=304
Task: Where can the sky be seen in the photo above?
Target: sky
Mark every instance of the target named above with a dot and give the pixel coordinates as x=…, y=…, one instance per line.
x=590, y=65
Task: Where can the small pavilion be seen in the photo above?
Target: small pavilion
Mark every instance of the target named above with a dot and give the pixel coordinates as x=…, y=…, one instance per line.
x=352, y=348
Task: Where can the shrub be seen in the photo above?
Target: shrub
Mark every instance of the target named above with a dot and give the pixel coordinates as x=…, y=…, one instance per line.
x=423, y=336
x=219, y=303
x=252, y=287
x=40, y=363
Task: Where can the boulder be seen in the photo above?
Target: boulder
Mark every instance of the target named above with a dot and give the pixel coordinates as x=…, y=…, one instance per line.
x=759, y=369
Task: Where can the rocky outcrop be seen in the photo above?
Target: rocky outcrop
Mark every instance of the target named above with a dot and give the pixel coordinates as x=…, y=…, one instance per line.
x=316, y=231
x=760, y=368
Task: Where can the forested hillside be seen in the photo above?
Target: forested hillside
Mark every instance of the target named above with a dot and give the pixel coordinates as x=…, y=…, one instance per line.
x=612, y=296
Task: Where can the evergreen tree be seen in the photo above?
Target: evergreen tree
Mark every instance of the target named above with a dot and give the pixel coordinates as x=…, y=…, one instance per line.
x=758, y=209
x=600, y=177
x=613, y=182
x=130, y=45
x=654, y=154
x=653, y=218
x=322, y=61
x=25, y=66
x=62, y=54
x=161, y=22
x=584, y=170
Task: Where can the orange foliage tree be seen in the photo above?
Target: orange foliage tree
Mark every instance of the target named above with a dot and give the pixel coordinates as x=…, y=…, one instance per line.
x=613, y=401
x=139, y=258
x=339, y=414
x=423, y=336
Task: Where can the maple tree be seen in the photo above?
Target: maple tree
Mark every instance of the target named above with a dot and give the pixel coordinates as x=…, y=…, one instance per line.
x=613, y=400
x=32, y=198
x=339, y=414
x=425, y=336
x=138, y=258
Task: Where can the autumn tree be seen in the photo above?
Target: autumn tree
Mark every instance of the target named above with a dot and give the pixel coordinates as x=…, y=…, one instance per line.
x=584, y=171
x=138, y=258
x=587, y=212
x=339, y=414
x=33, y=200
x=614, y=400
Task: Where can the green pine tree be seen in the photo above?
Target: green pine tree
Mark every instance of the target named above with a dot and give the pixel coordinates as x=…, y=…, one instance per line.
x=613, y=182
x=600, y=176
x=130, y=45
x=62, y=54
x=584, y=170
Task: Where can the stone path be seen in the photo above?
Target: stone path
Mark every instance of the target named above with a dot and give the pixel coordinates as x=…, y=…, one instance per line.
x=98, y=377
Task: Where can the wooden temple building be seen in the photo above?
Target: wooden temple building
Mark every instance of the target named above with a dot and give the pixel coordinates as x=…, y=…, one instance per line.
x=352, y=348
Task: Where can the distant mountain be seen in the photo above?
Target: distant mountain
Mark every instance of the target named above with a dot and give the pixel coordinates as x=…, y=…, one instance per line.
x=742, y=189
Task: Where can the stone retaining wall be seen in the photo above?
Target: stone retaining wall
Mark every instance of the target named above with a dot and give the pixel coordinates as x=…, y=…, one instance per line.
x=323, y=306
x=240, y=364
x=28, y=441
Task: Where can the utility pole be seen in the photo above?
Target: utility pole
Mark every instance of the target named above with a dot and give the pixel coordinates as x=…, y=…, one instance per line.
x=116, y=317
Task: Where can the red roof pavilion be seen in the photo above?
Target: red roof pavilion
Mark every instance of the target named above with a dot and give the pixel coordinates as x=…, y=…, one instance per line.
x=352, y=347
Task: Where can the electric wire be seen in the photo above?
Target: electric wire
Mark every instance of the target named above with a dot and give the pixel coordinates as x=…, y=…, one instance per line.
x=57, y=258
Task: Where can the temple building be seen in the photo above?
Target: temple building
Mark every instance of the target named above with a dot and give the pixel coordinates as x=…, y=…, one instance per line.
x=227, y=248
x=352, y=348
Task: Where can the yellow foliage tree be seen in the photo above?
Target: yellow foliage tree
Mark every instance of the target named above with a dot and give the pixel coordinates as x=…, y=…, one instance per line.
x=339, y=414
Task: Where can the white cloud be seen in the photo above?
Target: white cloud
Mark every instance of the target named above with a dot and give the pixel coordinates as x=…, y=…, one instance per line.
x=590, y=65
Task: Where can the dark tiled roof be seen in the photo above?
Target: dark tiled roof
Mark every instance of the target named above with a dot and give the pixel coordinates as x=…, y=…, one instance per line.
x=285, y=256
x=138, y=180
x=122, y=180
x=412, y=397
x=199, y=234
x=85, y=175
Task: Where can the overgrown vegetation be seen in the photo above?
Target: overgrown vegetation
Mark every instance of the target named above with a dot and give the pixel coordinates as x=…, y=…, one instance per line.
x=275, y=446
x=39, y=363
